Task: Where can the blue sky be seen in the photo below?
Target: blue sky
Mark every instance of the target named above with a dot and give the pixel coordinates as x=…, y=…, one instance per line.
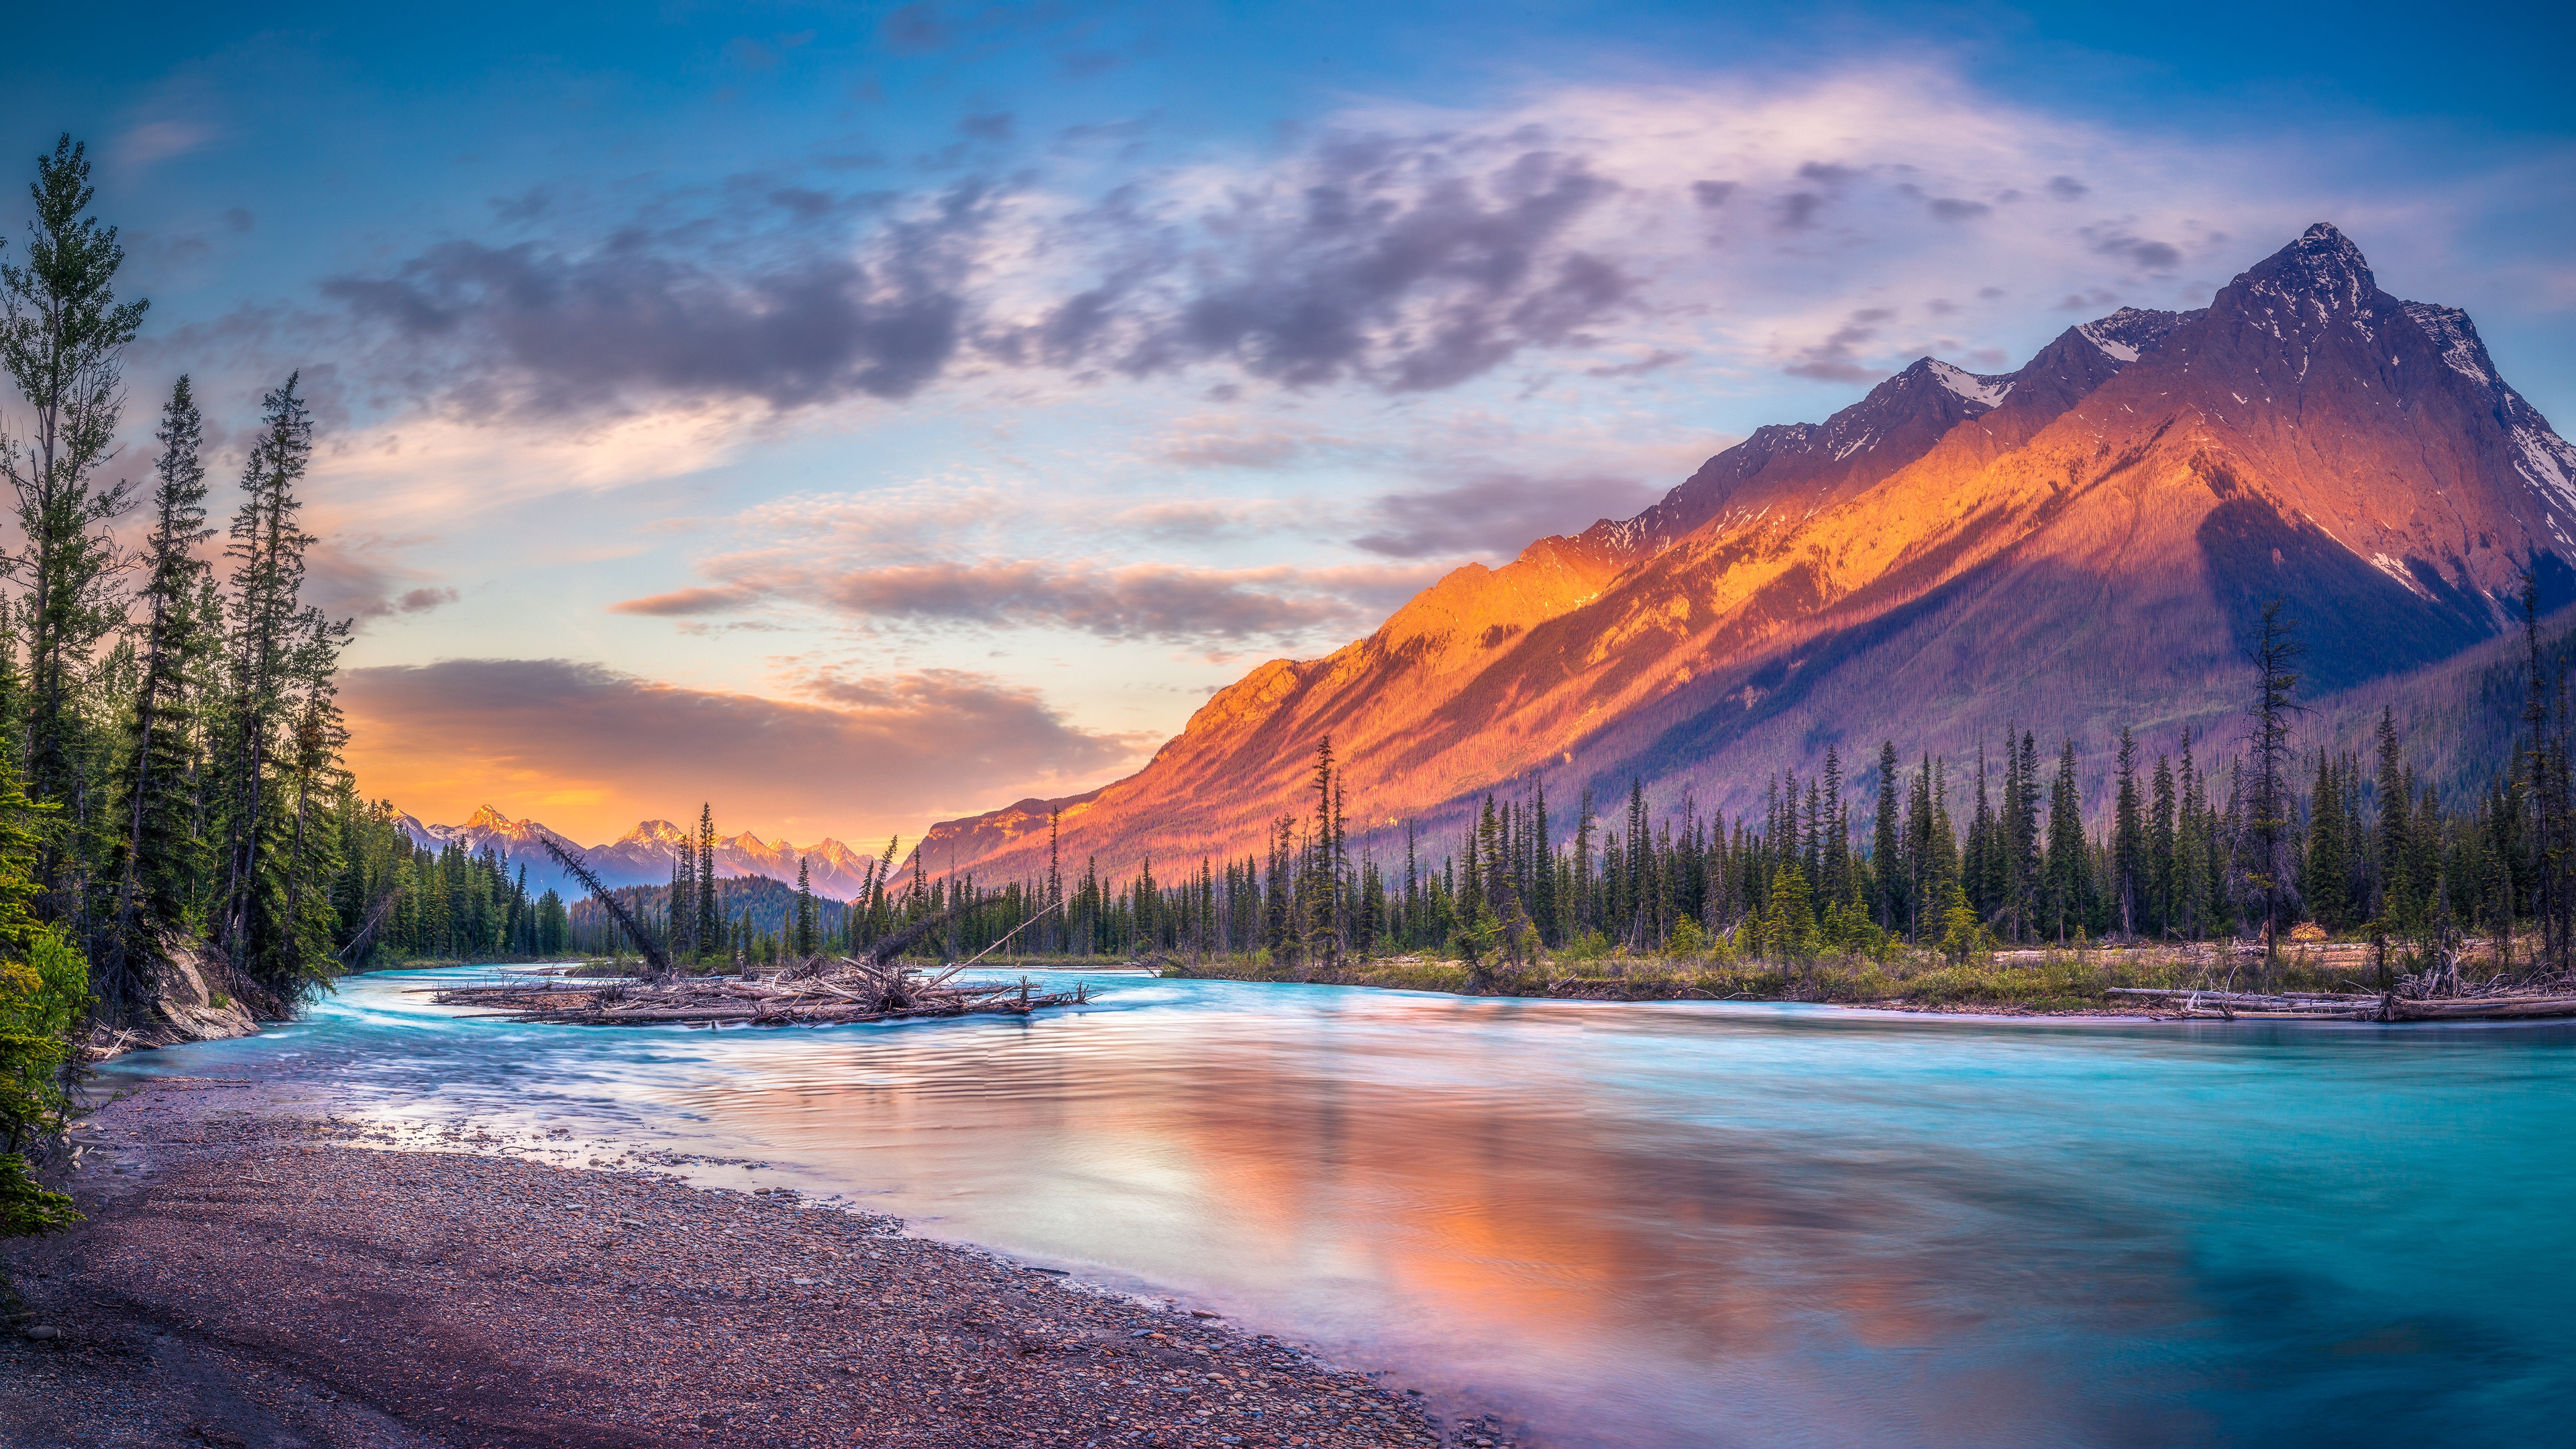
x=864, y=414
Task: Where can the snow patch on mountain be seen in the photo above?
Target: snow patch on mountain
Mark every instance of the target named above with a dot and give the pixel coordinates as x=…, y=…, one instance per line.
x=2450, y=329
x=1969, y=387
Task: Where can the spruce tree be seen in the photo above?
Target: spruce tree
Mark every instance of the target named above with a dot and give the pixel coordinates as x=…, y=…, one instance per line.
x=2067, y=878
x=704, y=878
x=2269, y=824
x=1885, y=849
x=61, y=332
x=276, y=648
x=809, y=915
x=2128, y=838
x=2324, y=864
x=2160, y=850
x=160, y=852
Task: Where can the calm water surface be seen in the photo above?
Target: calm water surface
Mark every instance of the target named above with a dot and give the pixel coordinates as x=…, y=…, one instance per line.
x=1668, y=1224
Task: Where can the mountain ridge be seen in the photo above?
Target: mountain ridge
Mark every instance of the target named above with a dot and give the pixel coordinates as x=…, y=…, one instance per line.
x=644, y=855
x=2075, y=545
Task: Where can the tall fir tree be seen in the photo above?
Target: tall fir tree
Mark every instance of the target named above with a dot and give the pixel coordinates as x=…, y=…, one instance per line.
x=161, y=849
x=2128, y=836
x=61, y=335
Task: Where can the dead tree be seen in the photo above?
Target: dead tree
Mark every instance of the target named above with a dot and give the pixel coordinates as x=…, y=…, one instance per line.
x=656, y=965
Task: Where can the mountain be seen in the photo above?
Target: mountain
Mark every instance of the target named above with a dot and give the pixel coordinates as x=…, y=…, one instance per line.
x=643, y=855
x=2082, y=544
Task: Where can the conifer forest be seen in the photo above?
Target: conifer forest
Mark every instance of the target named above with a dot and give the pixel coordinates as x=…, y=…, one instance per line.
x=174, y=799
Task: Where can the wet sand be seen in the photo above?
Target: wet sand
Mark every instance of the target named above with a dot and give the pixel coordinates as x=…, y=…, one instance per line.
x=257, y=1274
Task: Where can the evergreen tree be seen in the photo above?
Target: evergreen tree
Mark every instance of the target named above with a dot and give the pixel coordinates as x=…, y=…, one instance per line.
x=1885, y=848
x=276, y=649
x=2325, y=866
x=2395, y=847
x=705, y=879
x=2129, y=873
x=808, y=917
x=2160, y=850
x=2068, y=896
x=61, y=331
x=160, y=852
x=2269, y=825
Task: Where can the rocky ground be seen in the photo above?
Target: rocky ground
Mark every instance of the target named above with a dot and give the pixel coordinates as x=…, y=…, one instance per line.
x=258, y=1275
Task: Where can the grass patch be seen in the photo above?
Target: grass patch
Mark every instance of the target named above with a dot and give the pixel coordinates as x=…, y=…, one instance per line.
x=2049, y=981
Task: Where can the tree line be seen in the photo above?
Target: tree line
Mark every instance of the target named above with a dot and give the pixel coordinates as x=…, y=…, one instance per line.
x=2200, y=837
x=171, y=786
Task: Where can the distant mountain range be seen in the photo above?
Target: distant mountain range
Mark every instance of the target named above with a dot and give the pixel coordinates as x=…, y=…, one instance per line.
x=643, y=855
x=2075, y=546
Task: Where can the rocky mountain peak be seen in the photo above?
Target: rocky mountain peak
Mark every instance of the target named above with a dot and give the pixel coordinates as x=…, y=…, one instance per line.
x=2320, y=276
x=2125, y=334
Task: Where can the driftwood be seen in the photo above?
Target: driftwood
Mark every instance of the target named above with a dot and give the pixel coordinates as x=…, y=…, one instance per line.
x=2407, y=1001
x=842, y=991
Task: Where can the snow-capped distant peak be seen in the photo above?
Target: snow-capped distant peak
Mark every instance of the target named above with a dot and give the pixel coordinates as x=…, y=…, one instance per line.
x=1983, y=391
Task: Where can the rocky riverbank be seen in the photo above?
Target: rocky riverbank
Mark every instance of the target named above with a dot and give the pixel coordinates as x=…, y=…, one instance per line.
x=255, y=1273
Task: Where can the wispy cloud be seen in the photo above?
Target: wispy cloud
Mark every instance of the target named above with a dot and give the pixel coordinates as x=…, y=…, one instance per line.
x=1403, y=250
x=590, y=750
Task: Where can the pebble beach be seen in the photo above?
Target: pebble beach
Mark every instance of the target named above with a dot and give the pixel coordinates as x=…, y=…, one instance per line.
x=257, y=1273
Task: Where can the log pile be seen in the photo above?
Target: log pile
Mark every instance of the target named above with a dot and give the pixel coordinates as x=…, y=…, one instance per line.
x=2497, y=1000
x=827, y=993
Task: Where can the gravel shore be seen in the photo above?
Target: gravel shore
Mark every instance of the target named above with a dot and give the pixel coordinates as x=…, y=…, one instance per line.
x=256, y=1274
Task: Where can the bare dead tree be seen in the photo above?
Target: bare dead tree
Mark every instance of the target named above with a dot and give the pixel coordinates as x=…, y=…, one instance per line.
x=657, y=965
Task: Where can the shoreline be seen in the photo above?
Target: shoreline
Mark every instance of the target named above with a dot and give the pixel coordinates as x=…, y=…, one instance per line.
x=255, y=1272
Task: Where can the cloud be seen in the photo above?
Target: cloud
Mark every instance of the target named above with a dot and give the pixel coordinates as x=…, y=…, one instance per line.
x=1497, y=517
x=350, y=576
x=863, y=756
x=527, y=329
x=2145, y=254
x=1834, y=358
x=685, y=603
x=1396, y=248
x=153, y=142
x=1162, y=602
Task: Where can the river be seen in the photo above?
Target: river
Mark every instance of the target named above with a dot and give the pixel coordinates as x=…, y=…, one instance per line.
x=1683, y=1224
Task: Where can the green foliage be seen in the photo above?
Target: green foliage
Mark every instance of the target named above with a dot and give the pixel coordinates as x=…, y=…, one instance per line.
x=1687, y=939
x=44, y=990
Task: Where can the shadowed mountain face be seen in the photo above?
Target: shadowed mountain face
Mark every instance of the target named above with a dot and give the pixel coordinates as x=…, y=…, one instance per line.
x=2070, y=548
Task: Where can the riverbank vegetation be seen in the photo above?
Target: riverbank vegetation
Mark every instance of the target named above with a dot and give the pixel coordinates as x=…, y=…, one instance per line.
x=1979, y=881
x=171, y=793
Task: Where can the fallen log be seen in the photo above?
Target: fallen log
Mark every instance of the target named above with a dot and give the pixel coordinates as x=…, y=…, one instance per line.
x=856, y=992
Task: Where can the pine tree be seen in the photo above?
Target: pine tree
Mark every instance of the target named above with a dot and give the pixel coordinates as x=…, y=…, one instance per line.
x=275, y=649
x=2395, y=848
x=2269, y=826
x=61, y=330
x=808, y=912
x=159, y=854
x=704, y=878
x=2128, y=838
x=2325, y=866
x=1885, y=851
x=2160, y=850
x=2068, y=896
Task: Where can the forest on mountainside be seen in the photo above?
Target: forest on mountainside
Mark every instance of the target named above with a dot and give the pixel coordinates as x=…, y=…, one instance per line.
x=2246, y=834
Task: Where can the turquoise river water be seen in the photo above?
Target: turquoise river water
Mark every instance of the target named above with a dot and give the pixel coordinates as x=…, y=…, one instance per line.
x=1677, y=1224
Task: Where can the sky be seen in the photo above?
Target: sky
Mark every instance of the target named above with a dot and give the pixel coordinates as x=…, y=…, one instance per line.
x=861, y=415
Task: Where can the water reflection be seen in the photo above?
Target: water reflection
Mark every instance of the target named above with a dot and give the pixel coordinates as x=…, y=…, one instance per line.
x=1676, y=1225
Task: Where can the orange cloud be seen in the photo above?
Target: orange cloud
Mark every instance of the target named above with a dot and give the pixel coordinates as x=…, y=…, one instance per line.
x=588, y=751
